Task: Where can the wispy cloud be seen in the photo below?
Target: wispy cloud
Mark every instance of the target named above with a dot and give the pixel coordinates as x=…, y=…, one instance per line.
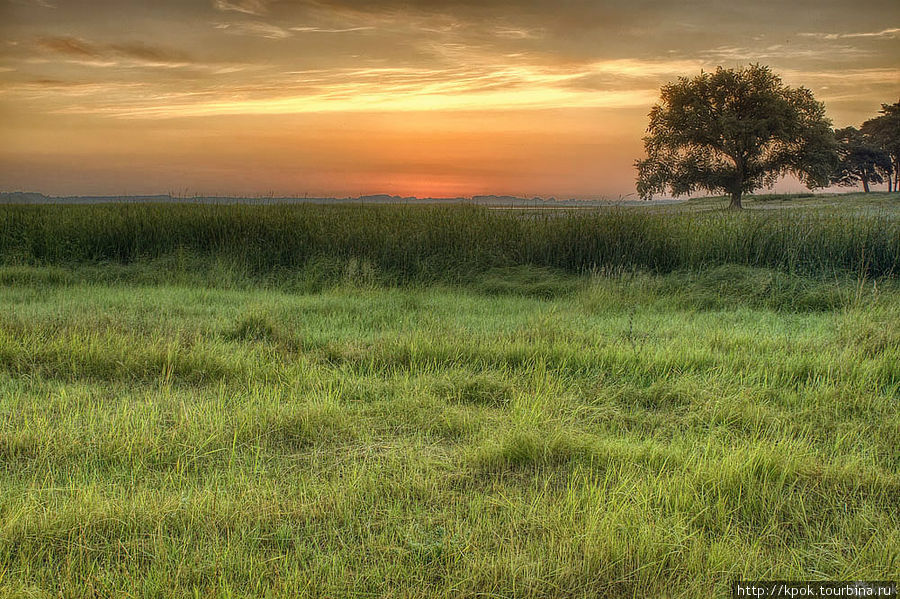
x=850, y=77
x=391, y=89
x=255, y=28
x=884, y=33
x=349, y=100
x=517, y=33
x=102, y=54
x=330, y=30
x=783, y=52
x=274, y=32
x=40, y=87
x=631, y=67
x=248, y=7
x=68, y=45
x=123, y=55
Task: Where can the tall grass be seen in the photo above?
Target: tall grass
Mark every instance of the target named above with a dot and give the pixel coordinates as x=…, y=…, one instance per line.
x=427, y=242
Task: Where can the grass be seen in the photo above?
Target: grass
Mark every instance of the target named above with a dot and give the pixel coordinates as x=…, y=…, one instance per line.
x=169, y=429
x=424, y=243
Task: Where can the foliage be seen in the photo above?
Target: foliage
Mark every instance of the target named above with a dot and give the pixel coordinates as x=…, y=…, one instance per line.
x=861, y=160
x=884, y=131
x=734, y=131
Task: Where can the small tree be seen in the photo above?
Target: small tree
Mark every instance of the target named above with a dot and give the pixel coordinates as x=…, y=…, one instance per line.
x=734, y=131
x=861, y=160
x=884, y=131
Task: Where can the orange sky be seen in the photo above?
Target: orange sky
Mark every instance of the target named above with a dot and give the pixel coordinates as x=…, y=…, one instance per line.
x=429, y=98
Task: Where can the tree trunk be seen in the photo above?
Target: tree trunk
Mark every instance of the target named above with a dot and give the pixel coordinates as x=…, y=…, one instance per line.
x=896, y=173
x=736, y=201
x=865, y=181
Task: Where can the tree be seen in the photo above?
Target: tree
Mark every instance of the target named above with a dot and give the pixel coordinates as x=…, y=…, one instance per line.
x=861, y=160
x=885, y=132
x=734, y=131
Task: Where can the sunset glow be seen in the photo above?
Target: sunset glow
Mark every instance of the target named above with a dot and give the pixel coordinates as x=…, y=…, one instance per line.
x=433, y=98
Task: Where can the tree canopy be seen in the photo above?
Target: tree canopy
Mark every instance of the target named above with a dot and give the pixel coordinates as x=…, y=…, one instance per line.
x=734, y=130
x=884, y=131
x=861, y=159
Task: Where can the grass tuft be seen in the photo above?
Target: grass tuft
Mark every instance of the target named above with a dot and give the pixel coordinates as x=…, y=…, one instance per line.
x=253, y=327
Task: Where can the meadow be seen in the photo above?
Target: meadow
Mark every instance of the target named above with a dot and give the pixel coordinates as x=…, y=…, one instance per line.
x=336, y=401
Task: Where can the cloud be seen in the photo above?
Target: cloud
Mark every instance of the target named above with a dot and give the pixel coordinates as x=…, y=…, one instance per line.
x=829, y=53
x=148, y=53
x=125, y=55
x=350, y=100
x=428, y=55
x=248, y=7
x=327, y=30
x=136, y=51
x=517, y=33
x=849, y=78
x=631, y=67
x=73, y=88
x=387, y=89
x=255, y=28
x=68, y=45
x=884, y=33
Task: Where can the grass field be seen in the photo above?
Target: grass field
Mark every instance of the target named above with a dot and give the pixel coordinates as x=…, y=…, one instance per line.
x=178, y=418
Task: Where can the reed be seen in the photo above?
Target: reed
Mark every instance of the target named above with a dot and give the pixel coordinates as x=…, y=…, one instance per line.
x=450, y=242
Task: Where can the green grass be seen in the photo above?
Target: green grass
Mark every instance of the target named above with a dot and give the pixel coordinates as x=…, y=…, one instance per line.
x=184, y=424
x=638, y=435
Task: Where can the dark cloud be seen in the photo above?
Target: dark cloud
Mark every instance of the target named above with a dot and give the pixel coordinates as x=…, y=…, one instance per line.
x=137, y=51
x=69, y=45
x=149, y=53
x=54, y=83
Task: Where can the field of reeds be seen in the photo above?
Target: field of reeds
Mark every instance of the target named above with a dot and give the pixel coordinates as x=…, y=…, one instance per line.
x=337, y=401
x=429, y=242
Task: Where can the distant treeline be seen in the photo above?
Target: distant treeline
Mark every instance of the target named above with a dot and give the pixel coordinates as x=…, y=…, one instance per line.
x=447, y=242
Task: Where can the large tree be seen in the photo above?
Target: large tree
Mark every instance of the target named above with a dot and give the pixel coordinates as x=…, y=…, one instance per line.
x=734, y=130
x=884, y=130
x=861, y=159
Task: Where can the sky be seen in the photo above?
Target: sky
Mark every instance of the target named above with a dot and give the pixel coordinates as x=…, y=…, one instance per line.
x=430, y=98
